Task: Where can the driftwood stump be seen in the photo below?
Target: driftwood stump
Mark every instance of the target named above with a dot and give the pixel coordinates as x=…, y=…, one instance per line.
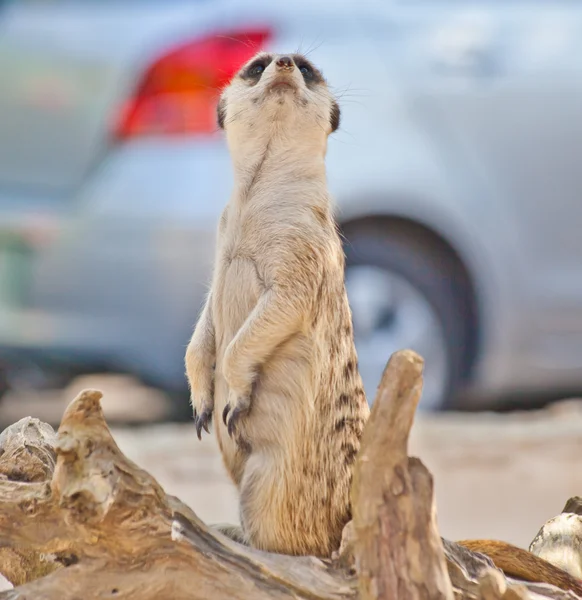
x=78, y=520
x=397, y=546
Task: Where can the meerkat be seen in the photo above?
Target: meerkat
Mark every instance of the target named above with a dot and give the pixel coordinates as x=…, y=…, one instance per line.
x=273, y=351
x=272, y=355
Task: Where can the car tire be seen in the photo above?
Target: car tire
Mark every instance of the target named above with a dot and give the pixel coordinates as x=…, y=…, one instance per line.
x=413, y=256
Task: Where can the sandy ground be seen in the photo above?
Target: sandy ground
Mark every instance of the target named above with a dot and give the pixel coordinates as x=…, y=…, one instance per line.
x=496, y=476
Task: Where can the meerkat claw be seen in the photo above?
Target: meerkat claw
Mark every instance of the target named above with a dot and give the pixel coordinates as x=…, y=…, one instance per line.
x=234, y=417
x=230, y=421
x=202, y=422
x=225, y=412
x=231, y=417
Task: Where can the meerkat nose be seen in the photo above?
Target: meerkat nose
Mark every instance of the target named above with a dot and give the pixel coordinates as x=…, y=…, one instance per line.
x=285, y=62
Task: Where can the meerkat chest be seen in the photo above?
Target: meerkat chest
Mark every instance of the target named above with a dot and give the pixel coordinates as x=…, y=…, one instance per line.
x=249, y=237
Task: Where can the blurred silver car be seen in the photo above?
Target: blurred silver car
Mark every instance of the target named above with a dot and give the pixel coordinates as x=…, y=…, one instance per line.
x=457, y=173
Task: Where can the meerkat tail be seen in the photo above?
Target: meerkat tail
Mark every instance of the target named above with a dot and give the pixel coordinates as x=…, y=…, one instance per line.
x=522, y=564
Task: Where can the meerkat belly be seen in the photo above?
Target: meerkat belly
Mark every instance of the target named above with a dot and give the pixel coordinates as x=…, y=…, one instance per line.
x=283, y=396
x=295, y=486
x=276, y=496
x=281, y=414
x=294, y=490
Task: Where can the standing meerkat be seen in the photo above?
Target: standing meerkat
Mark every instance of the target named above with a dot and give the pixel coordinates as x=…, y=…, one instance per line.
x=273, y=353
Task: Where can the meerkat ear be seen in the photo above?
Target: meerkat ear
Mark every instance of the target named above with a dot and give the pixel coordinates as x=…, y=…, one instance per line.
x=335, y=116
x=221, y=113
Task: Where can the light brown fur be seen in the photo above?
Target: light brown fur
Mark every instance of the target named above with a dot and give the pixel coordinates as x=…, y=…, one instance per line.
x=521, y=564
x=273, y=349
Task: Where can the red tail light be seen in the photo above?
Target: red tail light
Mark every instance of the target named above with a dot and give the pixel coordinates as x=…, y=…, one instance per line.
x=179, y=91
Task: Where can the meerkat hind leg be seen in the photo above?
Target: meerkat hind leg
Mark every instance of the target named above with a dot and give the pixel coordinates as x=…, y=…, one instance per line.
x=234, y=532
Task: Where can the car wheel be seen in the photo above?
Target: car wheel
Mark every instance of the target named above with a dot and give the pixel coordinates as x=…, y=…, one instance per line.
x=404, y=293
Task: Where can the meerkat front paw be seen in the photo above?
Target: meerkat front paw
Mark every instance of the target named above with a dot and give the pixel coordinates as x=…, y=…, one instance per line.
x=200, y=374
x=236, y=408
x=202, y=400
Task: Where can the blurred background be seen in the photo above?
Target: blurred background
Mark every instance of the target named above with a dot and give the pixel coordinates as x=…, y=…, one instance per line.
x=457, y=173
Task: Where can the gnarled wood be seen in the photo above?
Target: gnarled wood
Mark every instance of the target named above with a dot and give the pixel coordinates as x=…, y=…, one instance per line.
x=398, y=550
x=80, y=520
x=559, y=541
x=573, y=505
x=27, y=461
x=123, y=537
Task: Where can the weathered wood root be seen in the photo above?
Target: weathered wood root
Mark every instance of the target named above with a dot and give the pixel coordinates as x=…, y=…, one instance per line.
x=119, y=535
x=559, y=541
x=398, y=550
x=78, y=520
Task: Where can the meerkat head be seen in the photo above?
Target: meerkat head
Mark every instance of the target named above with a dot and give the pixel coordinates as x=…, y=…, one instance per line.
x=278, y=93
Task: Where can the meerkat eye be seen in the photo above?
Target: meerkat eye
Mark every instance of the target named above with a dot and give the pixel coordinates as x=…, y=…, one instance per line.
x=256, y=70
x=306, y=71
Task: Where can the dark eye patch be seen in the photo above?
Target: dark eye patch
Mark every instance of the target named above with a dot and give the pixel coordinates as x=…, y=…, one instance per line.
x=335, y=115
x=308, y=71
x=254, y=71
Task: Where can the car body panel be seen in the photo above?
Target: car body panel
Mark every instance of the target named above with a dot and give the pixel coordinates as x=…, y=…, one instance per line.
x=443, y=107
